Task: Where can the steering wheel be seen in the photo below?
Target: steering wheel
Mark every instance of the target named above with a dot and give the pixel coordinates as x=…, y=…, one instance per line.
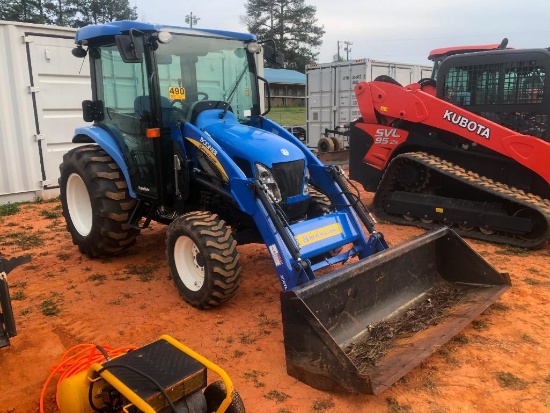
x=202, y=94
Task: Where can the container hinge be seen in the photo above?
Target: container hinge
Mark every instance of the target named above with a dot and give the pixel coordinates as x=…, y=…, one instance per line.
x=45, y=182
x=39, y=137
x=34, y=89
x=28, y=39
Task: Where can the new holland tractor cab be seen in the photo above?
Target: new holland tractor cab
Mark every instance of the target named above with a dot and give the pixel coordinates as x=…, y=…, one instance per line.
x=178, y=137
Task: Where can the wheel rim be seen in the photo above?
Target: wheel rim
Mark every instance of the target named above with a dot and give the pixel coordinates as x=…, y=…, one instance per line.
x=189, y=263
x=79, y=205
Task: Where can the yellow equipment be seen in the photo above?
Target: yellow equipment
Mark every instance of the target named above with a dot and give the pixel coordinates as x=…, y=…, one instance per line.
x=163, y=376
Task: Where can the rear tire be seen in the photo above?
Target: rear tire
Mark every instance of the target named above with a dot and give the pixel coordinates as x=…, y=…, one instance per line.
x=337, y=142
x=96, y=202
x=216, y=392
x=203, y=259
x=325, y=145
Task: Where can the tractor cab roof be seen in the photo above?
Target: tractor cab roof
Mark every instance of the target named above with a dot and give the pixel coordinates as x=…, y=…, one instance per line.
x=124, y=26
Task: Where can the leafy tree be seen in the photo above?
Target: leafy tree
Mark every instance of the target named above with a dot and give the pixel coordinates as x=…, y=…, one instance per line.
x=73, y=13
x=291, y=24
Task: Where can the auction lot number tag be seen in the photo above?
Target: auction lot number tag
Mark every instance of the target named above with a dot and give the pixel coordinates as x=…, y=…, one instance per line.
x=176, y=93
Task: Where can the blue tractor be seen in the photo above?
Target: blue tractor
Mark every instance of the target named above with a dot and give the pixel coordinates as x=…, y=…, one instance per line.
x=179, y=137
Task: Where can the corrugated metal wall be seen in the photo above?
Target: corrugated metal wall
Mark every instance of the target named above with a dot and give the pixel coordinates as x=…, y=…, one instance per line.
x=40, y=106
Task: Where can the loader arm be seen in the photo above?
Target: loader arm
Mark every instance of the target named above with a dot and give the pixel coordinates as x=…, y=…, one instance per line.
x=391, y=102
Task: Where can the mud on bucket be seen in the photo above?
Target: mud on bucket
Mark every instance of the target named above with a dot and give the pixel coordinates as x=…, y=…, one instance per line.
x=364, y=326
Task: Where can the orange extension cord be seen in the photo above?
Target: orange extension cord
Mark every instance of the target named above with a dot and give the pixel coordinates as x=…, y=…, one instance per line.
x=76, y=360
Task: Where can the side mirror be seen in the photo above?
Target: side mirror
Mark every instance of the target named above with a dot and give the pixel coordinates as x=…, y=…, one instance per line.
x=129, y=49
x=93, y=111
x=273, y=56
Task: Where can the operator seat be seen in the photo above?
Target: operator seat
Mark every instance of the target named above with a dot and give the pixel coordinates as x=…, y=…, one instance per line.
x=142, y=104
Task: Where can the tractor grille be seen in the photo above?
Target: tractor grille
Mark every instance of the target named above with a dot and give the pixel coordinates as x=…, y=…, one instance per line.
x=289, y=177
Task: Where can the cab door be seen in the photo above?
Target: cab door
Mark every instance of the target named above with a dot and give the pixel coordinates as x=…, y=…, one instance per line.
x=125, y=91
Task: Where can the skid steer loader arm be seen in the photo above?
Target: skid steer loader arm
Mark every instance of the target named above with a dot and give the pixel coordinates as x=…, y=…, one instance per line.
x=363, y=327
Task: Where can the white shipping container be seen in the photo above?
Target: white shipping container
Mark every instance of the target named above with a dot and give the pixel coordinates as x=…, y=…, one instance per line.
x=330, y=96
x=43, y=86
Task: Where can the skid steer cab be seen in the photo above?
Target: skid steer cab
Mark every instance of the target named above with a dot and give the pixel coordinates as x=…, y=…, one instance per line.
x=179, y=137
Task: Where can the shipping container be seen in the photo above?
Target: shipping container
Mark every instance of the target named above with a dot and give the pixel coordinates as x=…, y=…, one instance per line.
x=330, y=97
x=43, y=87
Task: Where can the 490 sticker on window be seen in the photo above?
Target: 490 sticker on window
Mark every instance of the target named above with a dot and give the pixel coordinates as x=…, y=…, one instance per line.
x=176, y=93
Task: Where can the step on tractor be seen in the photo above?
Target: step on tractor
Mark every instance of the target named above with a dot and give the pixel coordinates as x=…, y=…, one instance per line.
x=179, y=137
x=468, y=148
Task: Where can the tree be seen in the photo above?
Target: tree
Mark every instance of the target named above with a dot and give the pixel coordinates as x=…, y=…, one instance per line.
x=291, y=24
x=73, y=13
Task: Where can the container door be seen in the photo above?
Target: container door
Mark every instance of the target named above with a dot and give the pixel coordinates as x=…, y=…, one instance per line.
x=59, y=84
x=320, y=102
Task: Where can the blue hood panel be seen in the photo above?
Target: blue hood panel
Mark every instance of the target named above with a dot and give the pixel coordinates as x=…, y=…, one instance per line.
x=253, y=144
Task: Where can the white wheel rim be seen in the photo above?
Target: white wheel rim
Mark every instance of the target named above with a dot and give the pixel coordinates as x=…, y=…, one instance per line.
x=79, y=205
x=187, y=258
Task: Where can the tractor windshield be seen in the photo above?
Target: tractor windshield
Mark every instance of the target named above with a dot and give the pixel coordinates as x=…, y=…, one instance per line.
x=192, y=69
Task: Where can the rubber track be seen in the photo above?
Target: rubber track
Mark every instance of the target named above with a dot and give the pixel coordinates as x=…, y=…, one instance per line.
x=453, y=171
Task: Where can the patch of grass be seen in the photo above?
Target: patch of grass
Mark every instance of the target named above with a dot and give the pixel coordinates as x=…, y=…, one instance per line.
x=513, y=250
x=531, y=281
x=323, y=404
x=50, y=214
x=547, y=379
x=9, y=209
x=288, y=115
x=18, y=296
x=526, y=337
x=118, y=301
x=246, y=338
x=11, y=224
x=460, y=339
x=237, y=354
x=446, y=354
x=144, y=272
x=480, y=325
x=23, y=240
x=49, y=307
x=395, y=407
x=25, y=311
x=499, y=307
x=276, y=395
x=87, y=269
x=18, y=284
x=64, y=256
x=97, y=278
x=254, y=376
x=511, y=381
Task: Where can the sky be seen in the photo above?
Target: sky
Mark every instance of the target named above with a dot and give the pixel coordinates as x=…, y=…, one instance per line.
x=396, y=30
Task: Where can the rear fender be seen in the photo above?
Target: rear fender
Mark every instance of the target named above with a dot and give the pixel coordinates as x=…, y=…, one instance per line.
x=107, y=142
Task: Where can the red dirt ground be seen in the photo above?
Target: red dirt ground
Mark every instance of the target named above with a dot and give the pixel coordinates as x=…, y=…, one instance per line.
x=499, y=363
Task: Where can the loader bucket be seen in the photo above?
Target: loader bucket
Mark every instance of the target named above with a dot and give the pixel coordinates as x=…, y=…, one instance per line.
x=362, y=327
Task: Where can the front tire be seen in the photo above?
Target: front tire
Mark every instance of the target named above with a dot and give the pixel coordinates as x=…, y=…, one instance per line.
x=203, y=259
x=96, y=202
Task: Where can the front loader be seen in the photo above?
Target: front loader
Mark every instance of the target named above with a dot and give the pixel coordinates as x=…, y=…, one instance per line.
x=179, y=137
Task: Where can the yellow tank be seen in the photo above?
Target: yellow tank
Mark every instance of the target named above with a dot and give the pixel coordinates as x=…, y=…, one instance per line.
x=73, y=394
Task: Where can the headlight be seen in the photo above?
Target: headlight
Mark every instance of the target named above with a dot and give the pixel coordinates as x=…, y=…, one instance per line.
x=306, y=186
x=266, y=177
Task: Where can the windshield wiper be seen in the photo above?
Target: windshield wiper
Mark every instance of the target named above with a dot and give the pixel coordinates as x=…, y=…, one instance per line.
x=231, y=95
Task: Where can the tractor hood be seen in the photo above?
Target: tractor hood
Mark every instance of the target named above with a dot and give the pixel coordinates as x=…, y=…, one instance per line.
x=253, y=144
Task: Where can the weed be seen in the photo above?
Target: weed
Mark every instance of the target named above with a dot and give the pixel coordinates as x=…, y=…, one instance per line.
x=127, y=295
x=246, y=338
x=64, y=256
x=531, y=281
x=512, y=250
x=460, y=339
x=283, y=410
x=18, y=296
x=25, y=311
x=547, y=379
x=446, y=354
x=276, y=395
x=144, y=272
x=71, y=287
x=11, y=224
x=23, y=240
x=118, y=301
x=511, y=381
x=533, y=270
x=395, y=407
x=499, y=307
x=480, y=325
x=237, y=354
x=18, y=284
x=50, y=214
x=87, y=269
x=526, y=337
x=229, y=340
x=267, y=322
x=254, y=376
x=323, y=404
x=49, y=307
x=9, y=209
x=97, y=277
